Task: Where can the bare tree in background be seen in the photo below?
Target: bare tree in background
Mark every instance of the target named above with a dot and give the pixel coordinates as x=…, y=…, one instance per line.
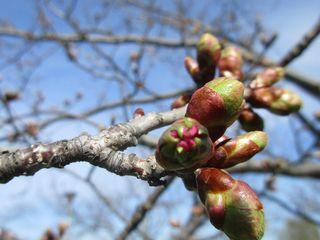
x=119, y=48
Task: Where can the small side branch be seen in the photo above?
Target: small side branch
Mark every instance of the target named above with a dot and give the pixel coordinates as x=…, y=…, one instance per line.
x=302, y=45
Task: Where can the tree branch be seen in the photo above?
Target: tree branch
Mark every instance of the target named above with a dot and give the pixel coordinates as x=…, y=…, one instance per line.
x=302, y=45
x=280, y=167
x=142, y=210
x=103, y=150
x=309, y=84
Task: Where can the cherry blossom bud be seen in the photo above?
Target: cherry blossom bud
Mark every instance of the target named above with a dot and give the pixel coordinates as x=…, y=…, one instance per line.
x=184, y=146
x=233, y=207
x=139, y=112
x=181, y=100
x=208, y=54
x=193, y=68
x=277, y=100
x=230, y=63
x=268, y=77
x=234, y=151
x=217, y=104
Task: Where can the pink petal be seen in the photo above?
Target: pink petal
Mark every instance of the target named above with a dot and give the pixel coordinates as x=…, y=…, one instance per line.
x=191, y=142
x=184, y=145
x=193, y=131
x=174, y=133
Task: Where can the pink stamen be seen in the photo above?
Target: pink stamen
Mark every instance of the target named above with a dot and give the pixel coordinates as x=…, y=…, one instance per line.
x=191, y=142
x=184, y=145
x=187, y=141
x=193, y=132
x=185, y=133
x=174, y=133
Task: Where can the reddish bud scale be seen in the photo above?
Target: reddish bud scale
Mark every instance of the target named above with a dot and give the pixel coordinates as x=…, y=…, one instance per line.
x=250, y=121
x=138, y=112
x=267, y=78
x=230, y=63
x=193, y=68
x=184, y=147
x=232, y=205
x=189, y=181
x=277, y=100
x=217, y=105
x=234, y=151
x=181, y=100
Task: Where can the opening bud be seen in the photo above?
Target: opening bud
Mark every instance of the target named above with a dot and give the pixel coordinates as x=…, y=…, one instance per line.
x=184, y=146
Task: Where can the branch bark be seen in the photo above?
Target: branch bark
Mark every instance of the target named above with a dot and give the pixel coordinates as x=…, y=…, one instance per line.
x=104, y=150
x=302, y=45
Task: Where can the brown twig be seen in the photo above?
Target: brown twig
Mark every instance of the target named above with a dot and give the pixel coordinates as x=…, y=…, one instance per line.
x=302, y=45
x=143, y=209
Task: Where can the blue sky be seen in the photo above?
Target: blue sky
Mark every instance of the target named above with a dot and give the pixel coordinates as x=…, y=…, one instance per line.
x=35, y=196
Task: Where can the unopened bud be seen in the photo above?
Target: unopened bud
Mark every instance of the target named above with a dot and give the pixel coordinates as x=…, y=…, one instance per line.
x=230, y=63
x=232, y=206
x=238, y=150
x=208, y=50
x=217, y=104
x=181, y=100
x=139, y=112
x=208, y=54
x=268, y=77
x=192, y=67
x=277, y=100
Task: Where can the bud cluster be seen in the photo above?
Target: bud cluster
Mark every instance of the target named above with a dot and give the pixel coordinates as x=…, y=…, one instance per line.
x=196, y=149
x=276, y=100
x=211, y=55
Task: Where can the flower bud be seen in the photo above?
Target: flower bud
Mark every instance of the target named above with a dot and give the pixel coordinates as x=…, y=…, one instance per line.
x=217, y=104
x=182, y=100
x=139, y=112
x=277, y=100
x=229, y=153
x=208, y=50
x=184, y=146
x=208, y=54
x=193, y=68
x=11, y=96
x=267, y=78
x=232, y=206
x=231, y=62
x=250, y=121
